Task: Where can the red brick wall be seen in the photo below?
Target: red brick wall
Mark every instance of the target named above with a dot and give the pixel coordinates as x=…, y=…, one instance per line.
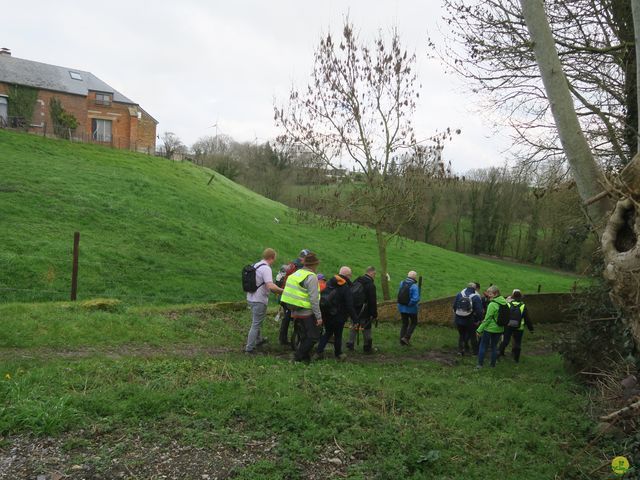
x=146, y=134
x=128, y=132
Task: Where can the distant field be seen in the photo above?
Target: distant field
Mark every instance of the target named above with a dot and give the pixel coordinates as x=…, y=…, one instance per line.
x=151, y=392
x=154, y=231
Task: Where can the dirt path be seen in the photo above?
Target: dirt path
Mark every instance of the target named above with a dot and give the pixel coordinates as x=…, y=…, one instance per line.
x=443, y=356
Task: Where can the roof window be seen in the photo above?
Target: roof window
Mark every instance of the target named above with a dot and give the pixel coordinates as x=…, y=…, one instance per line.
x=75, y=75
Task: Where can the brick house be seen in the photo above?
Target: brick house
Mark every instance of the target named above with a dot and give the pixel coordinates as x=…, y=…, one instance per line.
x=104, y=115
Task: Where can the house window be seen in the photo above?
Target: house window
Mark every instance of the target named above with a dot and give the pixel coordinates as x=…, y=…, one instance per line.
x=75, y=75
x=101, y=130
x=103, y=99
x=4, y=114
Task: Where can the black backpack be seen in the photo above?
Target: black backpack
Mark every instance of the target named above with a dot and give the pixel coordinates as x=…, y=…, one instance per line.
x=329, y=302
x=503, y=315
x=404, y=295
x=249, y=284
x=359, y=297
x=515, y=315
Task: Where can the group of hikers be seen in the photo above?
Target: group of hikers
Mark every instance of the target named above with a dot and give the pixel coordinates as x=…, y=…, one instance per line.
x=319, y=308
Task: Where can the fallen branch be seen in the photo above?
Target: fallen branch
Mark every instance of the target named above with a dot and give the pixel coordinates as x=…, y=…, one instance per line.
x=621, y=412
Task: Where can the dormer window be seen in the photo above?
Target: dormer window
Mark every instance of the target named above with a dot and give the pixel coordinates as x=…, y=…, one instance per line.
x=103, y=99
x=75, y=75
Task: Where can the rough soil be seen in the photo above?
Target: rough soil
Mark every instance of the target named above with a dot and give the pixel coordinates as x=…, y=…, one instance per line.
x=102, y=457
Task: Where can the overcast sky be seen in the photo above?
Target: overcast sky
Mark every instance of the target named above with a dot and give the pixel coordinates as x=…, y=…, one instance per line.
x=193, y=63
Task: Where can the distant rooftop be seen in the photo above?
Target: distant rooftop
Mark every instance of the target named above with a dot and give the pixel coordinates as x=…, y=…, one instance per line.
x=52, y=77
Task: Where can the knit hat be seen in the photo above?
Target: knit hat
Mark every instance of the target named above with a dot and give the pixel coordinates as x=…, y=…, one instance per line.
x=310, y=260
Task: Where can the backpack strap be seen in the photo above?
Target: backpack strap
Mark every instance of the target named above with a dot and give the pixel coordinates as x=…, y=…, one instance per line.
x=260, y=264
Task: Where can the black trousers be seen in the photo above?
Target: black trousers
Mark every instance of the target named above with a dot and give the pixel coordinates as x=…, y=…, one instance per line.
x=335, y=327
x=517, y=342
x=284, y=326
x=409, y=323
x=466, y=335
x=311, y=336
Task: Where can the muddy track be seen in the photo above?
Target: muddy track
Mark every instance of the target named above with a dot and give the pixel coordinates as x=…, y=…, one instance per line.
x=442, y=356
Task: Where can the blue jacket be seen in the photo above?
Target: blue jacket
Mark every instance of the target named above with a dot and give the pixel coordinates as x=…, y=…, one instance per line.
x=476, y=301
x=414, y=294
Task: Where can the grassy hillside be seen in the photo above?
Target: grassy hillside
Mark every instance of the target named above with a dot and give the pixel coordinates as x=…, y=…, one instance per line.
x=154, y=231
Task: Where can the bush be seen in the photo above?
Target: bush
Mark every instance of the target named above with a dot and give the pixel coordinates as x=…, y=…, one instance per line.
x=599, y=338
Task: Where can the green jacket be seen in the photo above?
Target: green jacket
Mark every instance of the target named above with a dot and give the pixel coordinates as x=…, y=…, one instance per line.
x=490, y=322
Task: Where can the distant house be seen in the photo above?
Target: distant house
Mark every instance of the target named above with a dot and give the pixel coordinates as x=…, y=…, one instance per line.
x=103, y=114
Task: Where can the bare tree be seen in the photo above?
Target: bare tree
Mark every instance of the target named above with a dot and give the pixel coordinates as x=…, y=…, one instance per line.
x=490, y=46
x=620, y=230
x=358, y=108
x=172, y=145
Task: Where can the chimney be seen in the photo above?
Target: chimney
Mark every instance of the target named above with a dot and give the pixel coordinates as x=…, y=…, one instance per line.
x=5, y=51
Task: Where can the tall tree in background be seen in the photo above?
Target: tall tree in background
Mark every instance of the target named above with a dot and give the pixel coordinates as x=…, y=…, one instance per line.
x=358, y=107
x=172, y=145
x=620, y=230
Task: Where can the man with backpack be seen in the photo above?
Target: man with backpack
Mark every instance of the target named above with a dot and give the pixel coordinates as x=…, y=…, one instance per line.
x=281, y=280
x=408, y=300
x=302, y=296
x=492, y=327
x=257, y=281
x=336, y=304
x=366, y=303
x=518, y=318
x=467, y=309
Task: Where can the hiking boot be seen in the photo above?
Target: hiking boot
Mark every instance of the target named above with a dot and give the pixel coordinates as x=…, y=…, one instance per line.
x=479, y=367
x=404, y=341
x=342, y=357
x=261, y=342
x=250, y=352
x=460, y=354
x=317, y=356
x=350, y=347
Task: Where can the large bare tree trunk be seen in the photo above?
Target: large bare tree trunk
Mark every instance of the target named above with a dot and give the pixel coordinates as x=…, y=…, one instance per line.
x=635, y=10
x=585, y=171
x=619, y=230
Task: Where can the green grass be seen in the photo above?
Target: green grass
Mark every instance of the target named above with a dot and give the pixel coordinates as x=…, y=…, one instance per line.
x=153, y=231
x=151, y=373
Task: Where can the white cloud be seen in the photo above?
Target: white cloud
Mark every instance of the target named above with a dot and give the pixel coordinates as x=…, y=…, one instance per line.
x=192, y=63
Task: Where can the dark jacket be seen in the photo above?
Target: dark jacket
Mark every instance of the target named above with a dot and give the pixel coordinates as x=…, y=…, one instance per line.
x=344, y=300
x=370, y=310
x=478, y=310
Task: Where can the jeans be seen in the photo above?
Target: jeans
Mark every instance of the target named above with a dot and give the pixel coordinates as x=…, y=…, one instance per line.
x=332, y=327
x=311, y=336
x=409, y=323
x=284, y=326
x=517, y=342
x=489, y=339
x=258, y=314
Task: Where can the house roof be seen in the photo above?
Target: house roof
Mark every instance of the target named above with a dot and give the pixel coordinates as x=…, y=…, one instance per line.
x=52, y=77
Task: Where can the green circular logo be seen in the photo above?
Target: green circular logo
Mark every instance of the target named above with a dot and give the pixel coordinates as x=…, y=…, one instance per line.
x=620, y=465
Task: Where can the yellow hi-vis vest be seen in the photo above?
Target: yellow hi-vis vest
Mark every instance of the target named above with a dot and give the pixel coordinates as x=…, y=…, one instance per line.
x=294, y=293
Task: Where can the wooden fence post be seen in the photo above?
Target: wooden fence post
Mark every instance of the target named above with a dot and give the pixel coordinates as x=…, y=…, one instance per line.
x=74, y=272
